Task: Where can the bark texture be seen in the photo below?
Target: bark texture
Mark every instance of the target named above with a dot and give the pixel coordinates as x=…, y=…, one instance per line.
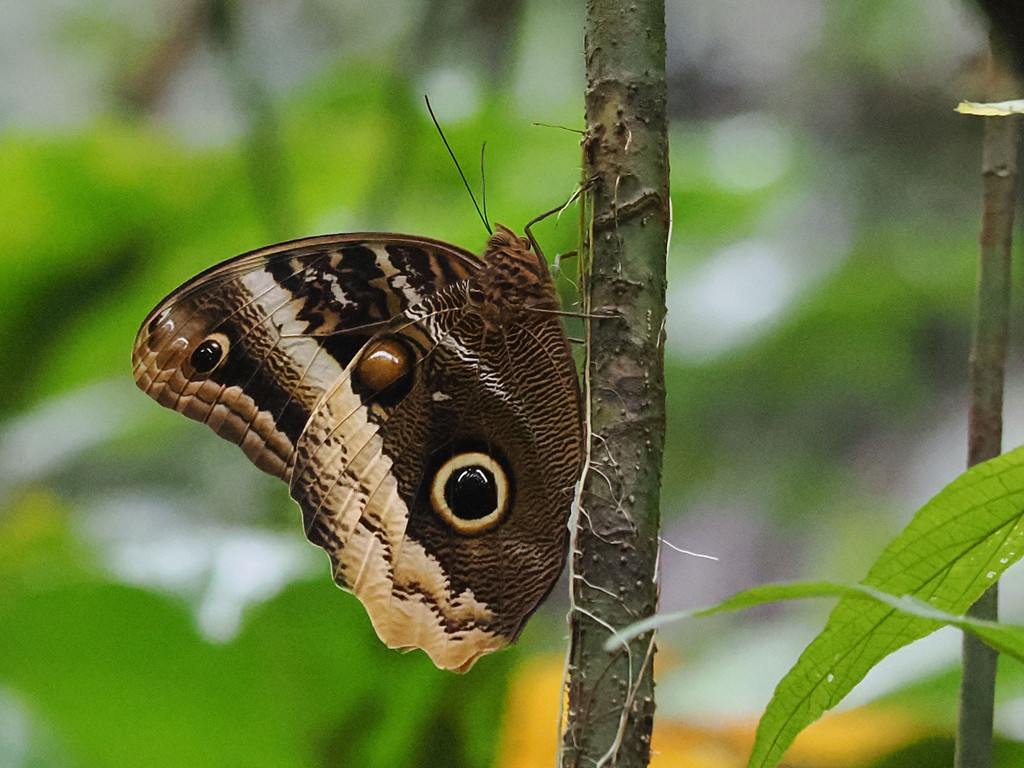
x=626, y=223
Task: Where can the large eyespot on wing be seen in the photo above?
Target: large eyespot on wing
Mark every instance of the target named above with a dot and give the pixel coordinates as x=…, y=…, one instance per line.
x=471, y=492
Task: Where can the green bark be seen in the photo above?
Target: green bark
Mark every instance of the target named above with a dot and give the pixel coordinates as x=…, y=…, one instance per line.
x=626, y=222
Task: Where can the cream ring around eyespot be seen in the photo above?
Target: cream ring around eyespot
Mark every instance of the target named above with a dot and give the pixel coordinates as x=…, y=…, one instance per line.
x=466, y=460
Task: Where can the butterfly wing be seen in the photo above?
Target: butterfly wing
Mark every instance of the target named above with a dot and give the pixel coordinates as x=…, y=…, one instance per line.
x=426, y=417
x=250, y=346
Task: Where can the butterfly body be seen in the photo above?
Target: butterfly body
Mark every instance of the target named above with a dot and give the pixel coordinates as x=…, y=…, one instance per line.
x=421, y=403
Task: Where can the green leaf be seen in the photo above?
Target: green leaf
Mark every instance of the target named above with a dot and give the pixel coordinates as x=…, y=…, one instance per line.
x=950, y=553
x=1006, y=638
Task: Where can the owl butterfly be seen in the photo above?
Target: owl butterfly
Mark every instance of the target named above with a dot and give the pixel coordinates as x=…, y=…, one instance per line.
x=421, y=403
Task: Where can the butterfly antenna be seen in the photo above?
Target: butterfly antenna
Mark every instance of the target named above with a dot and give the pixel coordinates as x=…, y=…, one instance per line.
x=481, y=213
x=483, y=185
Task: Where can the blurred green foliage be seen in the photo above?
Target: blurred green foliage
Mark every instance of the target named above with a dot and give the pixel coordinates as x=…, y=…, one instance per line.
x=113, y=675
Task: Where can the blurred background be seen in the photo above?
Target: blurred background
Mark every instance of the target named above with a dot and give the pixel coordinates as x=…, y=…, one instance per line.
x=159, y=605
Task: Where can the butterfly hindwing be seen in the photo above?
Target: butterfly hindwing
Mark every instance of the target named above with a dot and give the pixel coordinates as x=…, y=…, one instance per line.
x=462, y=580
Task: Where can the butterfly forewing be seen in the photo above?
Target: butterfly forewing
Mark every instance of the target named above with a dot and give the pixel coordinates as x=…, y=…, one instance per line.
x=286, y=321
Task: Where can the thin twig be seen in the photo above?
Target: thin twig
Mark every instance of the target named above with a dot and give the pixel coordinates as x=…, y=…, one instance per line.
x=987, y=372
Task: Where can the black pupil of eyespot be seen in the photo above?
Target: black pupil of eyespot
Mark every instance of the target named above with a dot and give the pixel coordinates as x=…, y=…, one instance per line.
x=471, y=493
x=206, y=356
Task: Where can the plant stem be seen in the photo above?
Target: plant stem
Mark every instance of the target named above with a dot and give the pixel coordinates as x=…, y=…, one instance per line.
x=626, y=222
x=987, y=371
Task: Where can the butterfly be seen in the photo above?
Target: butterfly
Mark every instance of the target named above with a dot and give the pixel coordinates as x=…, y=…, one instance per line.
x=422, y=404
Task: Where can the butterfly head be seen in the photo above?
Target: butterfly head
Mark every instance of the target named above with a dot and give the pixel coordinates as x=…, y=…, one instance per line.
x=514, y=280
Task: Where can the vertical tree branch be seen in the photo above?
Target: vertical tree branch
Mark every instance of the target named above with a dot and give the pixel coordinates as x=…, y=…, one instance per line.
x=149, y=79
x=987, y=370
x=626, y=222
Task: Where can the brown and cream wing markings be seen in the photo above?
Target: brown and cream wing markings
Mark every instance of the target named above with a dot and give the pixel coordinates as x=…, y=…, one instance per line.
x=424, y=412
x=287, y=320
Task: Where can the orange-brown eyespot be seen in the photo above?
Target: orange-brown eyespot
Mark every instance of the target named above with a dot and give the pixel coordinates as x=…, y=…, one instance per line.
x=471, y=492
x=383, y=364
